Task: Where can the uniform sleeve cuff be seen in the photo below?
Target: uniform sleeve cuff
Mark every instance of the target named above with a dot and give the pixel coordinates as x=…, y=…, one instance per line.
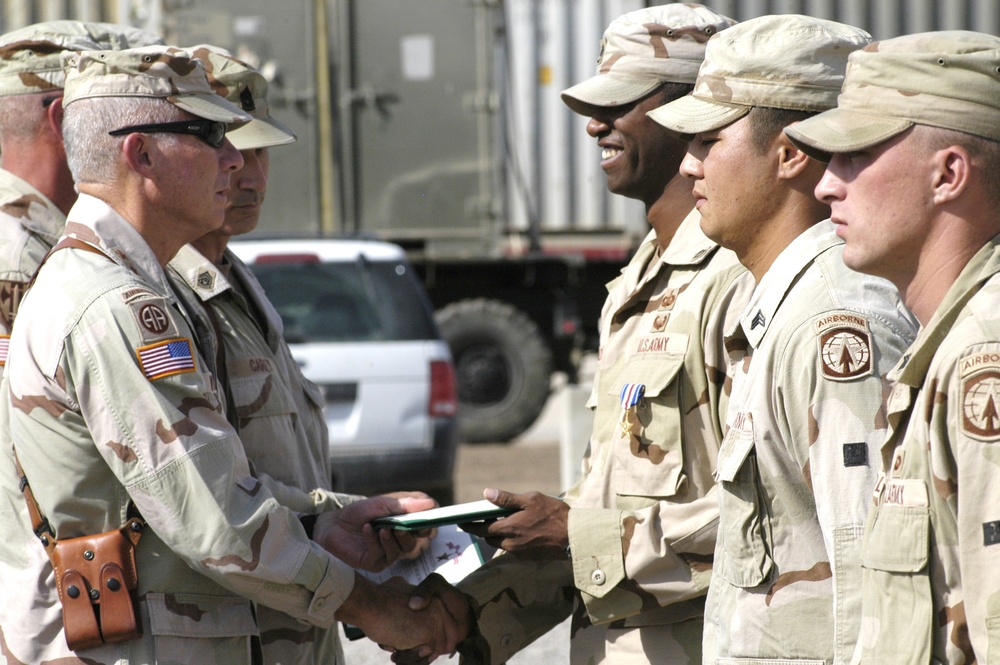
x=334, y=581
x=595, y=537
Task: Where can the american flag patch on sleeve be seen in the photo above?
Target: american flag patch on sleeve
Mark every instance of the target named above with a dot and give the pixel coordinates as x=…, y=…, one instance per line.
x=4, y=346
x=166, y=358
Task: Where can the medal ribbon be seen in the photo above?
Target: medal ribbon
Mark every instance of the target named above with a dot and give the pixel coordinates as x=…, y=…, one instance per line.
x=631, y=395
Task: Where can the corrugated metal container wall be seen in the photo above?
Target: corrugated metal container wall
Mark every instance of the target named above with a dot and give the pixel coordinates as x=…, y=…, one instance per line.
x=562, y=45
x=551, y=166
x=19, y=13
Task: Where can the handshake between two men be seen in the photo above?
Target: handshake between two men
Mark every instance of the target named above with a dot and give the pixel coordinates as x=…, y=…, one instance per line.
x=420, y=623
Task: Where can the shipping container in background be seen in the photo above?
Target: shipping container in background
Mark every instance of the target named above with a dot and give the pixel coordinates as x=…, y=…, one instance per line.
x=437, y=124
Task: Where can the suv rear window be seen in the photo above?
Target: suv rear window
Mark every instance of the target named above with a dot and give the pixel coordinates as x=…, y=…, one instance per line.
x=347, y=302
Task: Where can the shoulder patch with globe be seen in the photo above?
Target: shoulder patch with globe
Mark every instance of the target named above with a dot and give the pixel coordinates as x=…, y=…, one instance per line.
x=981, y=396
x=845, y=346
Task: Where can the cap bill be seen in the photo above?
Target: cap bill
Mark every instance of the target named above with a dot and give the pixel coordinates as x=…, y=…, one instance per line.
x=211, y=107
x=261, y=133
x=606, y=91
x=843, y=130
x=693, y=115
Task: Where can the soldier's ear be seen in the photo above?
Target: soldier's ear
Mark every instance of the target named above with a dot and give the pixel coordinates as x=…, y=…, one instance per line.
x=952, y=172
x=137, y=151
x=54, y=116
x=792, y=162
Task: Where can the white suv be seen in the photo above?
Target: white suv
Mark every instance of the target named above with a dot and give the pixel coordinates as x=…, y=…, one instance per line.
x=361, y=326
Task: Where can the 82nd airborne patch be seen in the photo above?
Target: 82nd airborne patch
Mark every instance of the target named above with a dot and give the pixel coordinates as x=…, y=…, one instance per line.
x=981, y=396
x=845, y=346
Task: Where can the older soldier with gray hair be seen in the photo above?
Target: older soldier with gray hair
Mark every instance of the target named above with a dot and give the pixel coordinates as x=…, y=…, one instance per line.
x=142, y=535
x=805, y=416
x=914, y=150
x=632, y=542
x=36, y=188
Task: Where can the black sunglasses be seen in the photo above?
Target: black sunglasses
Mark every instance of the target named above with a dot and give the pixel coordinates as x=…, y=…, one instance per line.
x=211, y=132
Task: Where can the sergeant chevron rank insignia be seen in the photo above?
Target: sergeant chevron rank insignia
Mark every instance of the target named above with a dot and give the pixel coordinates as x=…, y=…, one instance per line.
x=845, y=346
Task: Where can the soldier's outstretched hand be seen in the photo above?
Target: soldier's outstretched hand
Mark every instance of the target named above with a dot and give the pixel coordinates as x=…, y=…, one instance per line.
x=538, y=529
x=348, y=534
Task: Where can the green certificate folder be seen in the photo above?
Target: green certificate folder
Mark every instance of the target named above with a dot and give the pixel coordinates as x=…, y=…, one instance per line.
x=474, y=511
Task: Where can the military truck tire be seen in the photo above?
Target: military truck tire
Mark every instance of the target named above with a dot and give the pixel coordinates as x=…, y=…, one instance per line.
x=502, y=368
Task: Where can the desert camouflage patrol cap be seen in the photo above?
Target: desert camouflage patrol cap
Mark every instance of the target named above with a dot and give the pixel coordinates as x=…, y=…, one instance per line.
x=945, y=79
x=784, y=61
x=245, y=87
x=30, y=56
x=164, y=72
x=642, y=50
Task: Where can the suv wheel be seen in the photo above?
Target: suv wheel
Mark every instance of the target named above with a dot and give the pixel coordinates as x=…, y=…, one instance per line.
x=502, y=368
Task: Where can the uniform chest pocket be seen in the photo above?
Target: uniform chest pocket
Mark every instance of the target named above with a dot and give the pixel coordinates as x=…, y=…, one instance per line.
x=744, y=526
x=258, y=389
x=895, y=576
x=313, y=393
x=898, y=542
x=647, y=455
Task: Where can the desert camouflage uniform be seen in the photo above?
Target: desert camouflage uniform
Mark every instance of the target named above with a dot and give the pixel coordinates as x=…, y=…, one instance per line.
x=279, y=414
x=30, y=225
x=93, y=431
x=930, y=561
x=798, y=462
x=643, y=521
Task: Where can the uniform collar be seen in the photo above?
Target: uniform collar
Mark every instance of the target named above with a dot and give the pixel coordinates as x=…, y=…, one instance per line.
x=201, y=275
x=45, y=220
x=206, y=280
x=93, y=221
x=779, y=278
x=913, y=366
x=688, y=247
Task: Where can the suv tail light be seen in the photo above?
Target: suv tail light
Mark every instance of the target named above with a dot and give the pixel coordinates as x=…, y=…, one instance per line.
x=442, y=402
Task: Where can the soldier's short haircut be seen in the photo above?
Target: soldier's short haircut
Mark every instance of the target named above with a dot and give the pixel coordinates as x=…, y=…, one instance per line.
x=981, y=149
x=91, y=153
x=672, y=91
x=767, y=122
x=21, y=115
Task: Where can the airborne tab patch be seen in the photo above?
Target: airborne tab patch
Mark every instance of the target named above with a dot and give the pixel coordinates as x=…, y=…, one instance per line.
x=845, y=346
x=980, y=395
x=167, y=358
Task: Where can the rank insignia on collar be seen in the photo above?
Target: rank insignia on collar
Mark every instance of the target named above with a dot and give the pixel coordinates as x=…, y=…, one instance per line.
x=206, y=280
x=758, y=320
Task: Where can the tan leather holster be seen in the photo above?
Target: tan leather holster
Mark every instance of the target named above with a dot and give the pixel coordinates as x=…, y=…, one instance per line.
x=95, y=575
x=96, y=579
